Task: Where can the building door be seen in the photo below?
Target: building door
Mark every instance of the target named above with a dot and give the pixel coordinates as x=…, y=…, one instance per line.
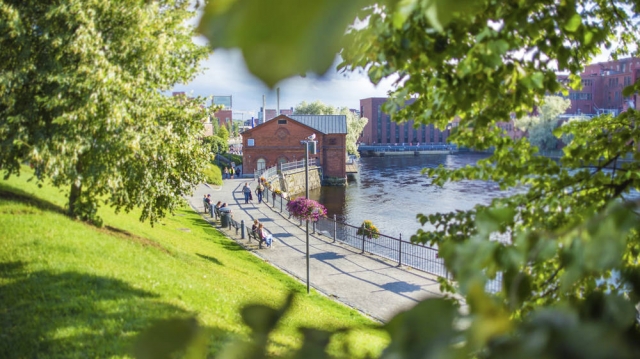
x=261, y=165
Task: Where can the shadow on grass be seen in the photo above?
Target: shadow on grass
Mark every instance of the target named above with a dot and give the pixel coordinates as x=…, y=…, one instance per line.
x=14, y=194
x=72, y=314
x=210, y=259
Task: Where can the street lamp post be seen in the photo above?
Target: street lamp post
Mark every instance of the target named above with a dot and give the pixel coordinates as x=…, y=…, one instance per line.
x=310, y=140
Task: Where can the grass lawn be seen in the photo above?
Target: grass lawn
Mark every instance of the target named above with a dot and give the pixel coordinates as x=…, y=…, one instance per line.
x=72, y=290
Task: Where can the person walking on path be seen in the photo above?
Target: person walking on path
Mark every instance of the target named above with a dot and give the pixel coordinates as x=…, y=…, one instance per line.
x=247, y=192
x=259, y=191
x=226, y=173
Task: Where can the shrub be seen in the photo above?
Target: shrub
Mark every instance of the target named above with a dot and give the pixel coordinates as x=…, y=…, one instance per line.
x=368, y=229
x=213, y=174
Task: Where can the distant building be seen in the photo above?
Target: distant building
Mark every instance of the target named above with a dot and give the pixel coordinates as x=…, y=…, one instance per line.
x=225, y=101
x=224, y=117
x=602, y=85
x=278, y=141
x=382, y=130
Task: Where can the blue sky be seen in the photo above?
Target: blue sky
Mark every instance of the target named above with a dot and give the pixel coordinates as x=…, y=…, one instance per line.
x=226, y=74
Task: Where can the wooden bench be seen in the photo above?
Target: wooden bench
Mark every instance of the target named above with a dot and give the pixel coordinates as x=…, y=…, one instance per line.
x=253, y=234
x=256, y=237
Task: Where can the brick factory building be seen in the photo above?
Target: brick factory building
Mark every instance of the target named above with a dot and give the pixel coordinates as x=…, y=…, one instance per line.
x=382, y=130
x=602, y=85
x=278, y=141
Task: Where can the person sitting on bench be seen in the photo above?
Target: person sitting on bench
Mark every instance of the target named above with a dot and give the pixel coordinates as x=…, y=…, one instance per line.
x=254, y=228
x=264, y=236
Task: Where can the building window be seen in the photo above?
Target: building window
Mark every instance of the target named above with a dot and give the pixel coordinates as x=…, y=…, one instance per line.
x=261, y=165
x=251, y=142
x=282, y=122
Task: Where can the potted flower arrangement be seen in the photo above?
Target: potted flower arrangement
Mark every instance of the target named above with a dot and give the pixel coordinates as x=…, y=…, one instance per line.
x=277, y=191
x=306, y=209
x=368, y=229
x=262, y=179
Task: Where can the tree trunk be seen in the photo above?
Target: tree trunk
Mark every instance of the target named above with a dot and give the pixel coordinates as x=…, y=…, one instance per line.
x=74, y=198
x=75, y=193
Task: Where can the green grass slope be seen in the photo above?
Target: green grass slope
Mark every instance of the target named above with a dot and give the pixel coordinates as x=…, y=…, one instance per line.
x=71, y=290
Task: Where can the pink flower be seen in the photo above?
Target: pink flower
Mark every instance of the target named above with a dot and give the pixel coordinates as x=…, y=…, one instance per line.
x=306, y=209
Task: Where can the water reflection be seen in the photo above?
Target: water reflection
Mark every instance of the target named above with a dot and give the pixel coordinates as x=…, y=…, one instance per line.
x=390, y=191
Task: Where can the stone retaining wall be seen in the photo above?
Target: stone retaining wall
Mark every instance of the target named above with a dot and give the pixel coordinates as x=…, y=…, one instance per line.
x=294, y=181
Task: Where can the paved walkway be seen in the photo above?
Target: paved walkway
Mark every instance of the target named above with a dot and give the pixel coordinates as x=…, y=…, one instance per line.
x=372, y=285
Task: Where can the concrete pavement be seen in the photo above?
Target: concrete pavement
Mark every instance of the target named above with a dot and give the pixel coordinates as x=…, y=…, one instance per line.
x=372, y=285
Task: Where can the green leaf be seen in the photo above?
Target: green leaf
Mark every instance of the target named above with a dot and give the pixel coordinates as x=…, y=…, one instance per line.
x=280, y=39
x=403, y=9
x=411, y=338
x=166, y=337
x=574, y=23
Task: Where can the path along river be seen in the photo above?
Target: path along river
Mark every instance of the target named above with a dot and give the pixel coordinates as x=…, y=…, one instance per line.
x=391, y=190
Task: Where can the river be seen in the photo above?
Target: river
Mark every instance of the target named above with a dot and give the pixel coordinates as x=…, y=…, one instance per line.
x=390, y=191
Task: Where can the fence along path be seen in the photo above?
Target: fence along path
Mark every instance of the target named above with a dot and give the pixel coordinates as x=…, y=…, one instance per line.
x=372, y=284
x=405, y=253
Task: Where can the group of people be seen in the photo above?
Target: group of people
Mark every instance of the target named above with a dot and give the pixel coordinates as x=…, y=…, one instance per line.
x=262, y=234
x=229, y=172
x=207, y=204
x=257, y=228
x=248, y=196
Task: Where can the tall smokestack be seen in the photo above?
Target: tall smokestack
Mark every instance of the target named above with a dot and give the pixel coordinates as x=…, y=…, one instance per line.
x=278, y=101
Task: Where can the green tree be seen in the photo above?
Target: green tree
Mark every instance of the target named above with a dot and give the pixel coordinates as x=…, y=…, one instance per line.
x=540, y=128
x=565, y=245
x=314, y=108
x=81, y=101
x=223, y=133
x=215, y=144
x=355, y=124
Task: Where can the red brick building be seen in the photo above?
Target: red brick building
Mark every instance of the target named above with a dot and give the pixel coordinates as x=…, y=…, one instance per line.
x=602, y=85
x=278, y=141
x=381, y=129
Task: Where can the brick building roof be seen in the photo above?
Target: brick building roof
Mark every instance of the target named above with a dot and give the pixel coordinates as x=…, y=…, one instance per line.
x=326, y=124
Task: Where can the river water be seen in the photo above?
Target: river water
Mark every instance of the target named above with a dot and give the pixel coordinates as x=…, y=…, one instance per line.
x=390, y=191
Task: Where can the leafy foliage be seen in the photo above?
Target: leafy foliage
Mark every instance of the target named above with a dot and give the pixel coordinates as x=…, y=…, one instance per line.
x=540, y=128
x=306, y=209
x=302, y=43
x=565, y=245
x=223, y=133
x=81, y=101
x=215, y=144
x=368, y=229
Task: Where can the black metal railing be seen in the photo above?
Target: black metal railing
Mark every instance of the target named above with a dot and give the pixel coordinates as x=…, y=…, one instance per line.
x=405, y=253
